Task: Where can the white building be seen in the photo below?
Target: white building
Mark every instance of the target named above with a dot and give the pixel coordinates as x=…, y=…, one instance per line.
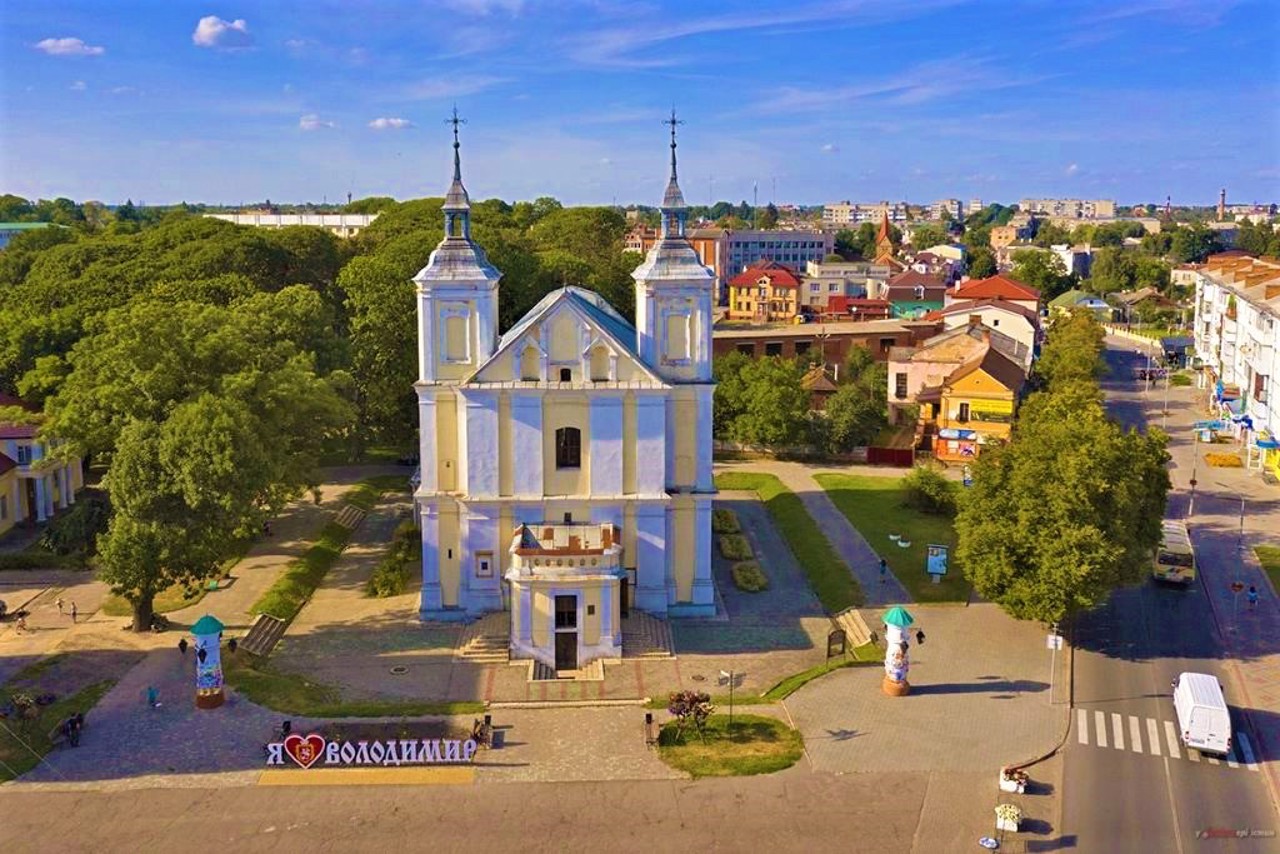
x=1237, y=338
x=1070, y=208
x=566, y=465
x=823, y=280
x=954, y=207
x=845, y=214
x=343, y=225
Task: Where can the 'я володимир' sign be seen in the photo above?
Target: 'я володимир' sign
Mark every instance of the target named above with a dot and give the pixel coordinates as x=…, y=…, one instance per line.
x=307, y=750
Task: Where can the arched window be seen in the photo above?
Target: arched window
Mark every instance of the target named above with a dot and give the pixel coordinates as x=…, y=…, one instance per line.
x=568, y=448
x=599, y=364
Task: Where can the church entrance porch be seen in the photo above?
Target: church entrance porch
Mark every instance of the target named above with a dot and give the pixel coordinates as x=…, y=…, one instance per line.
x=566, y=594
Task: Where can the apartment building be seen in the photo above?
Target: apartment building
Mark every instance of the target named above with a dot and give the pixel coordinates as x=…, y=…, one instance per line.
x=343, y=225
x=954, y=207
x=852, y=279
x=846, y=214
x=1071, y=208
x=792, y=248
x=1237, y=339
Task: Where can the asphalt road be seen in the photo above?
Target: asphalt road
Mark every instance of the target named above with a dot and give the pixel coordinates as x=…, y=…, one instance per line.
x=1129, y=785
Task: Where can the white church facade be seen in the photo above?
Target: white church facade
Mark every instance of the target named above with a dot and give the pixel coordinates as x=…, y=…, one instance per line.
x=566, y=464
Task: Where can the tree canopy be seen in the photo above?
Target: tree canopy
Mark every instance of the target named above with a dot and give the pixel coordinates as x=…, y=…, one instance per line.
x=1070, y=508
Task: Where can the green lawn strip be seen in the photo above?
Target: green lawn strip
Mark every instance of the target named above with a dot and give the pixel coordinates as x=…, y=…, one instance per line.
x=285, y=598
x=292, y=694
x=1269, y=557
x=830, y=579
x=754, y=745
x=19, y=740
x=875, y=506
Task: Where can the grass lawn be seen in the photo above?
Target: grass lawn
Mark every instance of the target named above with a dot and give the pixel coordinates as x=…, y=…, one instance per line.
x=1269, y=557
x=874, y=505
x=295, y=695
x=285, y=598
x=755, y=745
x=15, y=757
x=830, y=579
x=174, y=598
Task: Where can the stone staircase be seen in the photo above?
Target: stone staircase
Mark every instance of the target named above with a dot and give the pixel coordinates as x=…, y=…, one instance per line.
x=646, y=636
x=486, y=641
x=855, y=628
x=593, y=671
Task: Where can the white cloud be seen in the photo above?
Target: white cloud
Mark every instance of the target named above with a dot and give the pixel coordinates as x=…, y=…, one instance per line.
x=830, y=148
x=446, y=87
x=69, y=47
x=296, y=44
x=123, y=90
x=1072, y=169
x=79, y=86
x=213, y=31
x=311, y=121
x=390, y=124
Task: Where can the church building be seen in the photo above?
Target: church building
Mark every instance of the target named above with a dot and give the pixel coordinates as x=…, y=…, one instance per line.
x=566, y=464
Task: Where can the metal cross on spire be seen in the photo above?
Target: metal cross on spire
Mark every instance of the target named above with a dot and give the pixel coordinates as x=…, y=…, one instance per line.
x=673, y=121
x=457, y=159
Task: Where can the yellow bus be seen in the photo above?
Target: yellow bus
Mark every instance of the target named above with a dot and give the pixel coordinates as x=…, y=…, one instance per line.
x=1176, y=558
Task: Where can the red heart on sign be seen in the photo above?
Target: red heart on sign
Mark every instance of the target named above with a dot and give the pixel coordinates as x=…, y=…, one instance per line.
x=304, y=750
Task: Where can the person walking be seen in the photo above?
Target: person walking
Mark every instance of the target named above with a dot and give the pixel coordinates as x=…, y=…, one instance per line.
x=884, y=570
x=59, y=603
x=182, y=647
x=73, y=612
x=153, y=696
x=1253, y=596
x=22, y=623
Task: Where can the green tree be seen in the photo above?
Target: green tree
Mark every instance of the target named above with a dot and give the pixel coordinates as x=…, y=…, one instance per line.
x=856, y=413
x=1193, y=244
x=1050, y=234
x=369, y=205
x=774, y=403
x=1071, y=507
x=926, y=234
x=767, y=217
x=731, y=392
x=1043, y=271
x=982, y=263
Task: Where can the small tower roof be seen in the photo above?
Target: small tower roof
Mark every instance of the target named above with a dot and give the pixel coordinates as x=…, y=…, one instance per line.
x=456, y=198
x=898, y=616
x=884, y=229
x=207, y=625
x=673, y=198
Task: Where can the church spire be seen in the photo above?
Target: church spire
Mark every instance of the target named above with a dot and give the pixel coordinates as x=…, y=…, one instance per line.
x=673, y=207
x=457, y=205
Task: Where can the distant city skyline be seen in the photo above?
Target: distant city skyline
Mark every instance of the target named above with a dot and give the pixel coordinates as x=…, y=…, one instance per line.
x=862, y=100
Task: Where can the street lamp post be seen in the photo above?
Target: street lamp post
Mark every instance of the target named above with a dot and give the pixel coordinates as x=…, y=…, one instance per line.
x=1195, y=458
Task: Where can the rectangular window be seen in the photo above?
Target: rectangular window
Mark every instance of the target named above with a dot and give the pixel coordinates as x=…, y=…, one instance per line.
x=834, y=286
x=900, y=386
x=963, y=416
x=24, y=455
x=677, y=337
x=484, y=564
x=885, y=344
x=773, y=348
x=802, y=347
x=568, y=448
x=747, y=349
x=566, y=612
x=815, y=287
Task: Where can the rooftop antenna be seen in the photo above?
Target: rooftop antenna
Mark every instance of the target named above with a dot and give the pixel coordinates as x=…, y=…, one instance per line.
x=755, y=202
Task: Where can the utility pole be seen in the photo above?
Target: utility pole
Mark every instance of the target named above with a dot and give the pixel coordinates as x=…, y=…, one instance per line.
x=755, y=204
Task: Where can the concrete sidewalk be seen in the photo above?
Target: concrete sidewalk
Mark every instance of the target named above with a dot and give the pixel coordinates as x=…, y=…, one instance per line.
x=863, y=561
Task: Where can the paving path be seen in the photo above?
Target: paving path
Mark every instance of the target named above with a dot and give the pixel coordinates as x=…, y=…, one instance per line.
x=863, y=561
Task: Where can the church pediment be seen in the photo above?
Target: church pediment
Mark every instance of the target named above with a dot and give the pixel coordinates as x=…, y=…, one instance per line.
x=571, y=336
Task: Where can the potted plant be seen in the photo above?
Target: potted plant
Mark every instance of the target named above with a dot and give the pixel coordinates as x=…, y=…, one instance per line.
x=1013, y=780
x=1008, y=817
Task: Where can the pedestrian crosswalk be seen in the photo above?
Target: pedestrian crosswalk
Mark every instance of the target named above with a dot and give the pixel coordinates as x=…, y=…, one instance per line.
x=1134, y=734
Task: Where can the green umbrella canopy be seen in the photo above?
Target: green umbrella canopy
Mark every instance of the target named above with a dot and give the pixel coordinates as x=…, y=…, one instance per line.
x=209, y=625
x=898, y=616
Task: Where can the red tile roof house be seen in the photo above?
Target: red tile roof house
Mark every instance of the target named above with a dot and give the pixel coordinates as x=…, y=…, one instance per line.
x=766, y=291
x=998, y=286
x=42, y=486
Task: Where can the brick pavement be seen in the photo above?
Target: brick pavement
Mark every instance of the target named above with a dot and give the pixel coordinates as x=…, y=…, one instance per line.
x=863, y=561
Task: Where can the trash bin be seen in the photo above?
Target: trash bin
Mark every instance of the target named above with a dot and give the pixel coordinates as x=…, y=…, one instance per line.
x=499, y=738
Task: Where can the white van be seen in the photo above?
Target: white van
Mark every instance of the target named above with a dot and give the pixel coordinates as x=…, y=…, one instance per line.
x=1203, y=717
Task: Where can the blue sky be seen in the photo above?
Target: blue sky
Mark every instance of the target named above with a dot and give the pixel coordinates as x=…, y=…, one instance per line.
x=238, y=101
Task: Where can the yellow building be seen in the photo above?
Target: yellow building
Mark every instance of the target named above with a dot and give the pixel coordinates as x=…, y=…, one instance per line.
x=35, y=486
x=974, y=406
x=765, y=292
x=566, y=465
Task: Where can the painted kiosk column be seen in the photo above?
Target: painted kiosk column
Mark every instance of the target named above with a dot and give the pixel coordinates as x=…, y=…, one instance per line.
x=896, y=662
x=208, y=639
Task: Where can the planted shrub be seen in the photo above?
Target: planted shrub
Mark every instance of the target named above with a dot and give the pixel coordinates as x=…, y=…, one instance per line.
x=929, y=492
x=735, y=547
x=724, y=522
x=392, y=574
x=749, y=577
x=77, y=529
